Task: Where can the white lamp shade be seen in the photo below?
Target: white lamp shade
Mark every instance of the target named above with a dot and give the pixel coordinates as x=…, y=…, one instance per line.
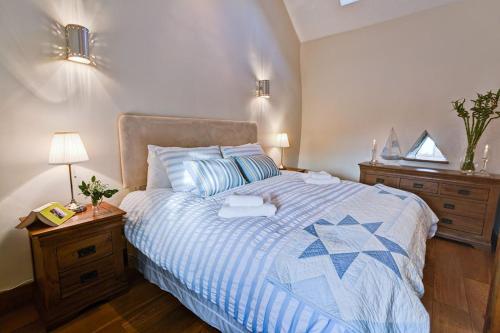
x=67, y=148
x=283, y=140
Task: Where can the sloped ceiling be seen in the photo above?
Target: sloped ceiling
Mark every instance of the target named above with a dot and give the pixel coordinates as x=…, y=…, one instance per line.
x=315, y=19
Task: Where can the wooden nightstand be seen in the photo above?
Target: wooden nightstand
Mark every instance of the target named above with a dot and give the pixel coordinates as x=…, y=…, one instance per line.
x=78, y=263
x=295, y=169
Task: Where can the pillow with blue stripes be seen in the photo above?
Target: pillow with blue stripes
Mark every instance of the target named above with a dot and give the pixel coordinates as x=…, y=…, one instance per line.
x=257, y=167
x=248, y=149
x=173, y=157
x=214, y=176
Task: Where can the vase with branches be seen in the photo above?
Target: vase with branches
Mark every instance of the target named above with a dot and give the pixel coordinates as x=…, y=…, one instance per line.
x=97, y=191
x=476, y=120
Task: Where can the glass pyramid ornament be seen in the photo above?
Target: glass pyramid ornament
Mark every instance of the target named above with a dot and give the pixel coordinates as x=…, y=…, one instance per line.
x=392, y=150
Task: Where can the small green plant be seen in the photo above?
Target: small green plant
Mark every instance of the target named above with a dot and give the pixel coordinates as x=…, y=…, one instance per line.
x=96, y=190
x=476, y=121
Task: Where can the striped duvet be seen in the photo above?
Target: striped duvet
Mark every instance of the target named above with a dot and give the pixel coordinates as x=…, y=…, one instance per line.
x=243, y=265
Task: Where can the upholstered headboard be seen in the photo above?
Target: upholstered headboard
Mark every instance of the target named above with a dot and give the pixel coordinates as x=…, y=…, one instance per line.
x=136, y=132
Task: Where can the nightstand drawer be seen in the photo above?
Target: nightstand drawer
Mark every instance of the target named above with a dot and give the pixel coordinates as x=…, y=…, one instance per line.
x=86, y=276
x=461, y=223
x=372, y=179
x=84, y=250
x=456, y=206
x=417, y=185
x=467, y=192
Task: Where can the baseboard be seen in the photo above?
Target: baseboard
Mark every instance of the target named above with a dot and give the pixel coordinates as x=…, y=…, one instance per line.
x=17, y=297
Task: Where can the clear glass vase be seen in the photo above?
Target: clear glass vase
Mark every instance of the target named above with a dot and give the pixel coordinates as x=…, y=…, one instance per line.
x=467, y=164
x=95, y=206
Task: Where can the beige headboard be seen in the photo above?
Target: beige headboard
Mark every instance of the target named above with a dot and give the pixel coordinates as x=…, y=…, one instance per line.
x=136, y=132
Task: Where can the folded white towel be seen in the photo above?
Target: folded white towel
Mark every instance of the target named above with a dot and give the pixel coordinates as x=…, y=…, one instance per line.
x=332, y=180
x=266, y=210
x=236, y=200
x=320, y=178
x=322, y=175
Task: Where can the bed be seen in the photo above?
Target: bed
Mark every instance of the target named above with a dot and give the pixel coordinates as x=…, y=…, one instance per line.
x=337, y=258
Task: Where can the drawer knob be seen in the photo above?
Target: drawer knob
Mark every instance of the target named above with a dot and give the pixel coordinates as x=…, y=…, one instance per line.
x=463, y=192
x=89, y=276
x=86, y=251
x=446, y=221
x=449, y=206
x=380, y=180
x=418, y=185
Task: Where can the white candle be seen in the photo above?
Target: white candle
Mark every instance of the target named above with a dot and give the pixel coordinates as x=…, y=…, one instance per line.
x=485, y=153
x=374, y=145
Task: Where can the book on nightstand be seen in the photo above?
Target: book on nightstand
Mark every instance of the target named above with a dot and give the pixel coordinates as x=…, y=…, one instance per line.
x=52, y=214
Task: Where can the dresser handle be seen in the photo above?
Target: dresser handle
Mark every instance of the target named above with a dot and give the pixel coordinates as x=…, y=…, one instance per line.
x=89, y=276
x=464, y=192
x=446, y=221
x=86, y=251
x=418, y=185
x=380, y=180
x=449, y=206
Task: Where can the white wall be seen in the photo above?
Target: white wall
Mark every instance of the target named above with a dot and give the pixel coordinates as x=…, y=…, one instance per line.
x=403, y=73
x=185, y=58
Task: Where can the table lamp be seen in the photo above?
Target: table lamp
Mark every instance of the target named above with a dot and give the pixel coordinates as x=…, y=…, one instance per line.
x=67, y=148
x=282, y=143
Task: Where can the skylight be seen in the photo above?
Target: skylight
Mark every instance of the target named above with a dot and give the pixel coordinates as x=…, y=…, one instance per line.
x=347, y=2
x=426, y=150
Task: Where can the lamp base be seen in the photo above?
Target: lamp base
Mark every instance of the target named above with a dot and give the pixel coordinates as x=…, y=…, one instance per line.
x=76, y=207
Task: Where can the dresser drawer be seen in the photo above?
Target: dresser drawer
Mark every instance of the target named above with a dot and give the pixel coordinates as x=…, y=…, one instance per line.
x=84, y=250
x=417, y=185
x=86, y=276
x=372, y=179
x=461, y=223
x=450, y=205
x=468, y=192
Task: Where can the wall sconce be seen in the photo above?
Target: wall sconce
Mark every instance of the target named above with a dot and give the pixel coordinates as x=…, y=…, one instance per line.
x=263, y=88
x=77, y=41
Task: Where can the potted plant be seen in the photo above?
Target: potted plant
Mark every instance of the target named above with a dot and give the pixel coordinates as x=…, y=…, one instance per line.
x=97, y=191
x=476, y=120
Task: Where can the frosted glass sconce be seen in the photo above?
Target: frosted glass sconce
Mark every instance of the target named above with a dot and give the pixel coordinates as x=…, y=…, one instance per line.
x=77, y=41
x=263, y=88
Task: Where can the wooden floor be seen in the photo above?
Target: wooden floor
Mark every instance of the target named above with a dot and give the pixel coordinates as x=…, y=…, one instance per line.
x=456, y=281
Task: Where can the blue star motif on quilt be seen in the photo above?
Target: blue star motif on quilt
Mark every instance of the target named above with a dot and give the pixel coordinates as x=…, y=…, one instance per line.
x=317, y=248
x=386, y=258
x=348, y=220
x=343, y=260
x=402, y=197
x=310, y=229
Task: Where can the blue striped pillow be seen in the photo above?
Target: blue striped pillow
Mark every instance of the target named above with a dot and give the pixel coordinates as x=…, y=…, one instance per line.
x=214, y=176
x=173, y=157
x=257, y=167
x=244, y=150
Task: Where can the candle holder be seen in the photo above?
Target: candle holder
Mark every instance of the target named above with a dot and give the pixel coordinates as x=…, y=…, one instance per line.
x=483, y=171
x=374, y=157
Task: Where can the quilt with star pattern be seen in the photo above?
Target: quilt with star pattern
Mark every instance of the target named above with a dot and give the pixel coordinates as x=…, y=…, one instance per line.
x=342, y=257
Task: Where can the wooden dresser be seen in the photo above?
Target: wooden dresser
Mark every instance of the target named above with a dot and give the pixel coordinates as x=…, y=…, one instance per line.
x=78, y=263
x=466, y=205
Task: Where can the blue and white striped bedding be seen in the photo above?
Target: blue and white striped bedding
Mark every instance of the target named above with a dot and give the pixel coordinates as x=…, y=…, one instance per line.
x=214, y=176
x=258, y=167
x=173, y=158
x=248, y=149
x=336, y=258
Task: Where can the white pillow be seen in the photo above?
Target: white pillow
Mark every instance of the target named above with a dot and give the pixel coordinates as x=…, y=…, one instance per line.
x=248, y=149
x=172, y=159
x=157, y=173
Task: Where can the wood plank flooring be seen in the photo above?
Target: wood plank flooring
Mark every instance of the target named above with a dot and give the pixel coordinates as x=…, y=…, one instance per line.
x=456, y=281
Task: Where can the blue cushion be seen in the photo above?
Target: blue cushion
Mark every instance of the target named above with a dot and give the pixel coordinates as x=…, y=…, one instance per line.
x=173, y=157
x=249, y=149
x=214, y=176
x=257, y=167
